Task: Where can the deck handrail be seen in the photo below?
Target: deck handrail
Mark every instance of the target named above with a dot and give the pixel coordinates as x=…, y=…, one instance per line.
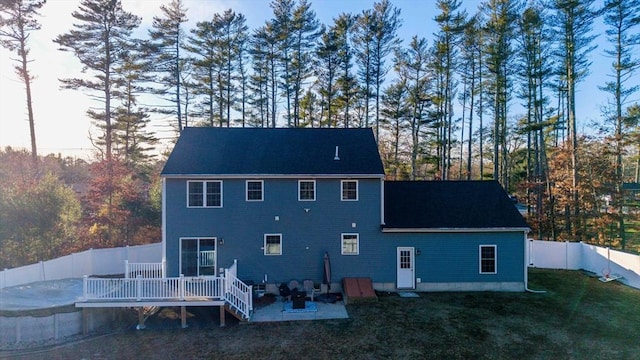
x=142, y=289
x=227, y=287
x=145, y=270
x=238, y=295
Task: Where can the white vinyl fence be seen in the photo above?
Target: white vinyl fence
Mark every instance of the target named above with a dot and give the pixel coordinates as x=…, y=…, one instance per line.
x=89, y=262
x=581, y=256
x=540, y=254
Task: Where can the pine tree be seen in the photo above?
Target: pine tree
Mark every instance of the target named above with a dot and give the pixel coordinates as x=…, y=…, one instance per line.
x=534, y=70
x=327, y=65
x=167, y=37
x=470, y=56
x=282, y=27
x=451, y=23
x=346, y=81
x=364, y=51
x=98, y=40
x=304, y=32
x=131, y=136
x=265, y=55
x=573, y=21
x=386, y=24
x=203, y=45
x=412, y=66
x=241, y=39
x=622, y=18
x=395, y=119
x=499, y=54
x=17, y=22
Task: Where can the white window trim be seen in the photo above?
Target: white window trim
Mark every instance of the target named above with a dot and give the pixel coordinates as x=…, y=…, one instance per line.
x=314, y=190
x=495, y=260
x=204, y=194
x=265, y=244
x=342, y=182
x=357, y=244
x=215, y=260
x=261, y=190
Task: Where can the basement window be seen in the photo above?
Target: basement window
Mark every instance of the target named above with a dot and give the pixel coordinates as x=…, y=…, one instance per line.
x=350, y=244
x=273, y=244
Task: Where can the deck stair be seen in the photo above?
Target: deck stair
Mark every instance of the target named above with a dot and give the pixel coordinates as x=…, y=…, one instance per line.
x=235, y=313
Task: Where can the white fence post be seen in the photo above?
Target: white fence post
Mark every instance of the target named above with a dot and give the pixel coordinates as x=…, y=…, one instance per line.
x=126, y=269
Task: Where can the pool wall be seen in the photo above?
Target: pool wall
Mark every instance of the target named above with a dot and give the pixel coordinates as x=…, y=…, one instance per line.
x=24, y=329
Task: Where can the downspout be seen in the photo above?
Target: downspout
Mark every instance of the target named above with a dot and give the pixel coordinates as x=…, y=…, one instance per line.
x=164, y=227
x=382, y=222
x=526, y=267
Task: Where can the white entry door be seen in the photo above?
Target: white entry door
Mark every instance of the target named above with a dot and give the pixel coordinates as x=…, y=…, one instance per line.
x=406, y=278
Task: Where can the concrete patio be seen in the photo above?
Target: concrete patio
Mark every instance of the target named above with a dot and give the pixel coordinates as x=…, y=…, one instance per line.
x=276, y=312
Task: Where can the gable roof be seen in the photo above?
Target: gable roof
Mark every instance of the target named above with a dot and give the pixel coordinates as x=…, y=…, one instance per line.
x=440, y=205
x=269, y=151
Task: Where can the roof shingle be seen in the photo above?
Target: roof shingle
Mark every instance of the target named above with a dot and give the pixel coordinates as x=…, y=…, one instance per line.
x=449, y=205
x=280, y=151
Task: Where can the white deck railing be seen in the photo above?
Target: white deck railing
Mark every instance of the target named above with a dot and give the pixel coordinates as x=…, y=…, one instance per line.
x=147, y=286
x=145, y=270
x=207, y=258
x=140, y=289
x=238, y=294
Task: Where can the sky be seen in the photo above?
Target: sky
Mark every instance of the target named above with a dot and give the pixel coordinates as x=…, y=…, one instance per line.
x=62, y=126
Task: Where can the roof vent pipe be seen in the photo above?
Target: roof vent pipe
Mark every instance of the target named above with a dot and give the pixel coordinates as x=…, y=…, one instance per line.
x=337, y=157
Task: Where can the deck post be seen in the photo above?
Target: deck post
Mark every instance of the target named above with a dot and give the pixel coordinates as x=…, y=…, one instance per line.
x=138, y=288
x=181, y=291
x=85, y=280
x=85, y=321
x=183, y=316
x=222, y=315
x=140, y=325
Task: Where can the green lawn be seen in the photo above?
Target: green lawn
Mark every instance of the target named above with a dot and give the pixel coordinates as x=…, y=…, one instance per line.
x=578, y=317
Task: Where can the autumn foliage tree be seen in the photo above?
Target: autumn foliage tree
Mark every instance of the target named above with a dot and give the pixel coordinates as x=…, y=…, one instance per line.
x=38, y=214
x=117, y=210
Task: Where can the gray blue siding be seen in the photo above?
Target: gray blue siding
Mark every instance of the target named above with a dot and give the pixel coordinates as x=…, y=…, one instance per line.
x=311, y=228
x=306, y=235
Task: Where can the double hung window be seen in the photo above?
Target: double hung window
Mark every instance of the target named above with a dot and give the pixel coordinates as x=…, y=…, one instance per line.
x=204, y=193
x=349, y=190
x=306, y=190
x=255, y=190
x=488, y=259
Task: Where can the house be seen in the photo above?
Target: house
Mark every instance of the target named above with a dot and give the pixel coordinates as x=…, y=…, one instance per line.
x=277, y=200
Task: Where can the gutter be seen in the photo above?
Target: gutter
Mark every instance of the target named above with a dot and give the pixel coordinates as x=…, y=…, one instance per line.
x=273, y=176
x=455, y=230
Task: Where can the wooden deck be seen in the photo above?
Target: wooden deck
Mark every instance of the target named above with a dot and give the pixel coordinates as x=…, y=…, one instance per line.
x=225, y=291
